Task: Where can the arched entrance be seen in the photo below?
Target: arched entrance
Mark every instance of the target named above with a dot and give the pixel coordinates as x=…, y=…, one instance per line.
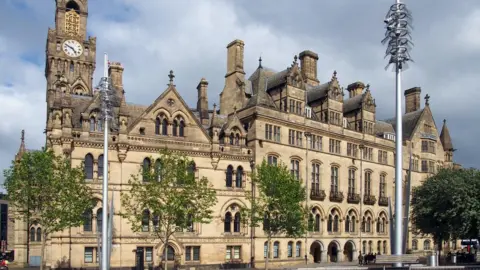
x=316, y=250
x=333, y=252
x=348, y=251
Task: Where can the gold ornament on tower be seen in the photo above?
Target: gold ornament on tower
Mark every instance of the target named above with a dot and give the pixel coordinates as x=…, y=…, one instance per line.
x=72, y=23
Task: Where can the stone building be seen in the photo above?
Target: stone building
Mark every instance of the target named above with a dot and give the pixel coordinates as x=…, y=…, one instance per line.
x=329, y=136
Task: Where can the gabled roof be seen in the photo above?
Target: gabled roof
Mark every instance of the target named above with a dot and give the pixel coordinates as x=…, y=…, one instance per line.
x=260, y=84
x=410, y=121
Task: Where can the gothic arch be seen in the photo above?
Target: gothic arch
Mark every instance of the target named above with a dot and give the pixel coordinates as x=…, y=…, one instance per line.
x=352, y=243
x=296, y=158
x=228, y=203
x=383, y=173
x=317, y=161
x=319, y=208
x=355, y=210
x=339, y=247
x=80, y=5
x=368, y=170
x=338, y=209
x=181, y=114
x=275, y=154
x=322, y=247
x=382, y=213
x=160, y=111
x=334, y=164
x=79, y=83
x=368, y=210
x=352, y=167
x=176, y=247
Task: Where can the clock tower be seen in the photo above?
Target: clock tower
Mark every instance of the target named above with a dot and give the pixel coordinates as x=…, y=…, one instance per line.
x=70, y=56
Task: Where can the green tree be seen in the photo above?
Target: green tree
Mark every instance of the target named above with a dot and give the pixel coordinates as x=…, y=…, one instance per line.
x=277, y=204
x=447, y=204
x=168, y=197
x=45, y=188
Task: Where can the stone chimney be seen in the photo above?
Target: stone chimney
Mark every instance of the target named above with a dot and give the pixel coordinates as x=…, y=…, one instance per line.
x=355, y=89
x=235, y=57
x=412, y=99
x=115, y=71
x=202, y=103
x=308, y=64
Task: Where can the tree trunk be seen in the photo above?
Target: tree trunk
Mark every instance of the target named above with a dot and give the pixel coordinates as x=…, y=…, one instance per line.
x=165, y=253
x=269, y=237
x=42, y=250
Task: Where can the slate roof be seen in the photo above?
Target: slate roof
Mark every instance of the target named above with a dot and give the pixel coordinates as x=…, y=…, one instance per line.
x=317, y=92
x=353, y=103
x=445, y=138
x=409, y=121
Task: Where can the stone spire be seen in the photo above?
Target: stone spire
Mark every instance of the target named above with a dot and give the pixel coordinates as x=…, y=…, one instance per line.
x=445, y=138
x=22, y=149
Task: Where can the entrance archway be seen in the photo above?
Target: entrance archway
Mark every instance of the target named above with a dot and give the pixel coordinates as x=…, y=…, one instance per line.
x=333, y=252
x=316, y=250
x=348, y=251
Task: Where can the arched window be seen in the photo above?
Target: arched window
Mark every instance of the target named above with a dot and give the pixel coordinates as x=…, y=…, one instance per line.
x=229, y=176
x=170, y=253
x=265, y=249
x=370, y=246
x=158, y=169
x=158, y=123
x=192, y=168
x=72, y=5
x=92, y=124
x=88, y=166
x=295, y=168
x=335, y=223
x=99, y=125
x=156, y=222
x=145, y=221
x=189, y=223
x=164, y=127
x=290, y=250
x=379, y=246
x=237, y=139
x=181, y=129
x=100, y=166
x=330, y=223
x=298, y=249
x=368, y=182
x=353, y=225
x=334, y=179
x=228, y=222
x=414, y=245
x=39, y=234
x=87, y=220
x=175, y=128
x=384, y=247
x=383, y=186
x=317, y=223
x=99, y=219
x=364, y=247
x=272, y=160
x=146, y=169
x=239, y=178
x=351, y=181
x=350, y=220
x=32, y=234
x=369, y=225
x=347, y=224
x=266, y=221
x=236, y=222
x=231, y=138
x=276, y=247
x=426, y=245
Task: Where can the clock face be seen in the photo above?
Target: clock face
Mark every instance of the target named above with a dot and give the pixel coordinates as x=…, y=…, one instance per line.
x=72, y=48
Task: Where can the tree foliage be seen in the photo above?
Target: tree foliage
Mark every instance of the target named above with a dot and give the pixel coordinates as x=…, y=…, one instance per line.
x=277, y=204
x=447, y=204
x=168, y=197
x=43, y=187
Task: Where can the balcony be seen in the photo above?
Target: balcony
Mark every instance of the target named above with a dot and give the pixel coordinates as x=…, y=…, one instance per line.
x=353, y=198
x=369, y=199
x=317, y=194
x=383, y=201
x=336, y=196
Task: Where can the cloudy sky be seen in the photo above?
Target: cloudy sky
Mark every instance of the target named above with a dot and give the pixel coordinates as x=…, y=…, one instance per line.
x=150, y=37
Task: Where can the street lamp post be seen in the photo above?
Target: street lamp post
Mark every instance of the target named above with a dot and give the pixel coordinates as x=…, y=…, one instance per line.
x=252, y=228
x=398, y=40
x=361, y=198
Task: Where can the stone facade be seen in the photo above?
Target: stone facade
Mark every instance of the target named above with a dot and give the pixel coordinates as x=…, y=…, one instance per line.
x=336, y=146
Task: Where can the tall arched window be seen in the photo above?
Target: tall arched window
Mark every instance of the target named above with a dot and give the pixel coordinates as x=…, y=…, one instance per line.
x=87, y=220
x=100, y=166
x=414, y=245
x=164, y=127
x=379, y=247
x=276, y=247
x=347, y=224
x=170, y=253
x=158, y=169
x=334, y=179
x=99, y=219
x=368, y=182
x=364, y=247
x=192, y=168
x=99, y=125
x=88, y=166
x=316, y=178
x=239, y=178
x=317, y=223
x=384, y=247
x=146, y=220
x=298, y=249
x=237, y=222
x=32, y=234
x=265, y=249
x=157, y=125
x=175, y=128
x=426, y=245
x=336, y=223
x=330, y=223
x=295, y=168
x=181, y=129
x=92, y=124
x=237, y=139
x=369, y=225
x=290, y=250
x=383, y=186
x=229, y=176
x=146, y=169
x=231, y=138
x=39, y=234
x=228, y=222
x=351, y=181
